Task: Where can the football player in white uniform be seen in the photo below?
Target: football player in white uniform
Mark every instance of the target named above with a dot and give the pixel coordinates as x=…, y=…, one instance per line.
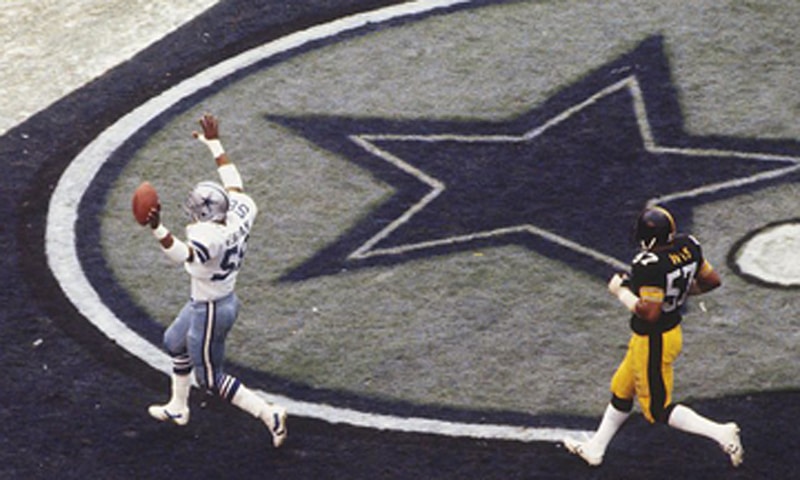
x=216, y=240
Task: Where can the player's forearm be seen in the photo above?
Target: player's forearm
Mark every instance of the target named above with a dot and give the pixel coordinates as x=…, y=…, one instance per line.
x=707, y=279
x=706, y=282
x=175, y=249
x=645, y=310
x=618, y=286
x=228, y=173
x=627, y=298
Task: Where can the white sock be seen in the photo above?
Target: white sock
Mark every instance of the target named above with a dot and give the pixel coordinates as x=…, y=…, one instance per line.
x=248, y=401
x=685, y=419
x=609, y=425
x=181, y=385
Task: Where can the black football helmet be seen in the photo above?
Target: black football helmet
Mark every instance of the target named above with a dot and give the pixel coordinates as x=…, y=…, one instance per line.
x=655, y=227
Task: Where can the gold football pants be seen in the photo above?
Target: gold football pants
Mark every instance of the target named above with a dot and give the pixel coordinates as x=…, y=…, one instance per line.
x=646, y=372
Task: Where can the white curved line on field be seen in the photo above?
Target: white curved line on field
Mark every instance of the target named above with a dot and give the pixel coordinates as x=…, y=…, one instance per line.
x=61, y=249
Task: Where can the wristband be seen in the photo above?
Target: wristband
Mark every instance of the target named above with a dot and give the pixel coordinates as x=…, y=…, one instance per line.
x=216, y=147
x=628, y=299
x=160, y=232
x=178, y=252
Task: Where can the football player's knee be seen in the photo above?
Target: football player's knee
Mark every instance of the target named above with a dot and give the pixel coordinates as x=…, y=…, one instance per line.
x=622, y=404
x=664, y=414
x=173, y=346
x=173, y=349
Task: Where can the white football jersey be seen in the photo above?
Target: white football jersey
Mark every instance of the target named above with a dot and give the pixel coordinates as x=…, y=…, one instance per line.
x=219, y=249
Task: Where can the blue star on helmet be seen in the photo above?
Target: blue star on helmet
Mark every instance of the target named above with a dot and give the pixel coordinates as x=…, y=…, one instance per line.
x=566, y=179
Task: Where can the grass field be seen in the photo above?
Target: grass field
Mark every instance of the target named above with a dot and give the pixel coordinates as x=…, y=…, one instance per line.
x=499, y=328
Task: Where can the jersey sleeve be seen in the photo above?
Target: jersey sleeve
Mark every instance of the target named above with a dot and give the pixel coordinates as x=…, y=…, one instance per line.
x=206, y=241
x=243, y=208
x=698, y=252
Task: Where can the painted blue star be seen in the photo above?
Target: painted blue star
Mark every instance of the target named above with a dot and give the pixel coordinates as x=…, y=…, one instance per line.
x=566, y=179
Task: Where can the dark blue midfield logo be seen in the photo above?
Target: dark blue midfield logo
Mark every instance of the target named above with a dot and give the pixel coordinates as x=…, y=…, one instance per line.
x=566, y=179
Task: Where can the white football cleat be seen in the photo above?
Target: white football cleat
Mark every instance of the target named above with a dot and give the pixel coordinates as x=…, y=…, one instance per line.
x=733, y=446
x=579, y=448
x=275, y=419
x=164, y=413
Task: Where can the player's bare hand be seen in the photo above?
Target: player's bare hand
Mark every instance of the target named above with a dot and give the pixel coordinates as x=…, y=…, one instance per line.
x=154, y=217
x=617, y=282
x=210, y=126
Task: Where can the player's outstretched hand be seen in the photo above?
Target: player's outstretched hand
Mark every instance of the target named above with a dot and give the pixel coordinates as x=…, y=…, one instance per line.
x=617, y=282
x=154, y=218
x=210, y=126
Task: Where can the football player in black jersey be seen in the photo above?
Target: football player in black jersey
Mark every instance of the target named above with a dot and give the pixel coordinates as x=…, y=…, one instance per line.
x=668, y=269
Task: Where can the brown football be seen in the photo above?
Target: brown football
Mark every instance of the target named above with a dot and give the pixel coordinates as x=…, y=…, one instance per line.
x=145, y=198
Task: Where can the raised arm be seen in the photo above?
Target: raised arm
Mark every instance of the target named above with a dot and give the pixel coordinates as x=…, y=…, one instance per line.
x=228, y=172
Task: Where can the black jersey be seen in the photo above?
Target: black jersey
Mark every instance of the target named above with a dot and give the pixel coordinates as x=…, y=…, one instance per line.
x=665, y=274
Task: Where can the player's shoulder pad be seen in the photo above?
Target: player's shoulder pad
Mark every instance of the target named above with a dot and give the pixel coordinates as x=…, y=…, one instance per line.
x=693, y=239
x=243, y=204
x=209, y=234
x=688, y=240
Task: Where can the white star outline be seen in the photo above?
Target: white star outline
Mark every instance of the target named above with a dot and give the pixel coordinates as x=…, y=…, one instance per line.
x=437, y=187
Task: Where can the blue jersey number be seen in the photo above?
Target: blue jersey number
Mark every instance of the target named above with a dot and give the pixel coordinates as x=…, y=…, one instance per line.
x=231, y=261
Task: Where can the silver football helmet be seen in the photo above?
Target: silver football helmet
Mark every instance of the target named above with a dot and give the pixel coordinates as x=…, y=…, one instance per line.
x=207, y=202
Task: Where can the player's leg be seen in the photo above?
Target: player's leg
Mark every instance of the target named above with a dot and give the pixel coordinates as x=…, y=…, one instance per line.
x=593, y=450
x=684, y=418
x=273, y=416
x=657, y=352
x=176, y=410
x=667, y=347
x=614, y=416
x=207, y=342
x=726, y=435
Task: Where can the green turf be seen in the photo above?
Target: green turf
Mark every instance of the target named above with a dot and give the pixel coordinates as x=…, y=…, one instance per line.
x=497, y=328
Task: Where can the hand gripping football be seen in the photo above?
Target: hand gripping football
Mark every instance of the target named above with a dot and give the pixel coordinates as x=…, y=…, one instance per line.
x=145, y=198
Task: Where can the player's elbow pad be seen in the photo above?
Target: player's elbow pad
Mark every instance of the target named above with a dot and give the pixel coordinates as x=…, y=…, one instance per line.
x=178, y=252
x=230, y=177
